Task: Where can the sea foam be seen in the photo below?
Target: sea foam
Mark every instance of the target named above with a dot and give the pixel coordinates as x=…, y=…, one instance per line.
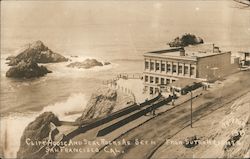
x=12, y=126
x=61, y=69
x=64, y=110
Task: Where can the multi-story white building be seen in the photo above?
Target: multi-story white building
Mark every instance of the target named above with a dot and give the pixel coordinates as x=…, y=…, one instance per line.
x=201, y=62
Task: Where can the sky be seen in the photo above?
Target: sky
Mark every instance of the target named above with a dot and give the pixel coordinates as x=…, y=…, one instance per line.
x=120, y=26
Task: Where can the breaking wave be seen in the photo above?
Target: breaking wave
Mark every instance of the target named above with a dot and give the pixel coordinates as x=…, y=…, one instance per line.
x=12, y=126
x=67, y=110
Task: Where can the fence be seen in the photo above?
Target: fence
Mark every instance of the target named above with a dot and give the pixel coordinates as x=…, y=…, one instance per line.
x=150, y=101
x=100, y=121
x=123, y=76
x=130, y=75
x=135, y=116
x=113, y=83
x=110, y=117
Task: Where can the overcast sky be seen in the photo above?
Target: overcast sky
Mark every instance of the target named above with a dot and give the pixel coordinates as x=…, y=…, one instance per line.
x=87, y=25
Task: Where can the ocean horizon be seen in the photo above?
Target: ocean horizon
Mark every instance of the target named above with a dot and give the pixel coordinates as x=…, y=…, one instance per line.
x=102, y=34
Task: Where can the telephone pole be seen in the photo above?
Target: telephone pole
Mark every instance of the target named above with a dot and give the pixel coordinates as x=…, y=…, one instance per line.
x=191, y=104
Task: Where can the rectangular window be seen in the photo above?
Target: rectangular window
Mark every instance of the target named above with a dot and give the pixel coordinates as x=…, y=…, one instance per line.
x=156, y=90
x=162, y=67
x=168, y=67
x=157, y=66
x=151, y=90
x=146, y=78
x=174, y=68
x=185, y=70
x=168, y=81
x=192, y=71
x=152, y=65
x=156, y=80
x=173, y=80
x=162, y=80
x=146, y=65
x=151, y=79
x=180, y=69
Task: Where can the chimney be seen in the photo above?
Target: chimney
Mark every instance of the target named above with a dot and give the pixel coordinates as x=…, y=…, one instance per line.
x=182, y=52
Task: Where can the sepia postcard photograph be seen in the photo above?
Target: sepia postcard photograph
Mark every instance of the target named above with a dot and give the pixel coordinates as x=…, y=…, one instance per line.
x=124, y=79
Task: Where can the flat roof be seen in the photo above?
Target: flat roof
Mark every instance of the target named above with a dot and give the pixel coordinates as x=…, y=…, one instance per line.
x=191, y=52
x=173, y=55
x=167, y=50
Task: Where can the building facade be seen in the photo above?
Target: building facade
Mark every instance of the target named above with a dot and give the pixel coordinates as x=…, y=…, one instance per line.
x=166, y=66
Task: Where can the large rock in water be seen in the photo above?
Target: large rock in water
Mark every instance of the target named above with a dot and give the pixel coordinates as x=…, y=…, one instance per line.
x=38, y=130
x=185, y=40
x=101, y=103
x=27, y=69
x=88, y=63
x=38, y=53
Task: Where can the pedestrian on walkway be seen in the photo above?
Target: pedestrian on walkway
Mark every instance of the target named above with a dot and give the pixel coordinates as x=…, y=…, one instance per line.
x=153, y=110
x=173, y=100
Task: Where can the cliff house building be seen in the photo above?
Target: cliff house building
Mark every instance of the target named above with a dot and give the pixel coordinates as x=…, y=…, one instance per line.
x=204, y=62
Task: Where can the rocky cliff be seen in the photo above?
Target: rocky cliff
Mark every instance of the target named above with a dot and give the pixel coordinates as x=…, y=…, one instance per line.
x=38, y=53
x=38, y=130
x=185, y=40
x=103, y=102
x=27, y=69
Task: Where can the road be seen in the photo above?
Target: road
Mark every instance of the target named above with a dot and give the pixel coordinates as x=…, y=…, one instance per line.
x=166, y=125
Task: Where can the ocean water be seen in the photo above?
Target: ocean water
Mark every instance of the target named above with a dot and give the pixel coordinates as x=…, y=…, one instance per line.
x=65, y=92
x=118, y=32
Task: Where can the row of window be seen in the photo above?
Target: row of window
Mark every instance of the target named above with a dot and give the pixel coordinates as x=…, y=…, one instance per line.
x=168, y=68
x=152, y=90
x=158, y=80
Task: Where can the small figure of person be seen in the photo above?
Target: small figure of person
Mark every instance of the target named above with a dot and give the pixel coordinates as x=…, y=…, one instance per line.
x=174, y=96
x=173, y=101
x=153, y=111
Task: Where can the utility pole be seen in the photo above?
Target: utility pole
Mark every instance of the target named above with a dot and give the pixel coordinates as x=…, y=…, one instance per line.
x=191, y=116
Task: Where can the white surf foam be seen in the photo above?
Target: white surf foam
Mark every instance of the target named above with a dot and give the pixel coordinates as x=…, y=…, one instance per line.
x=11, y=130
x=74, y=104
x=4, y=66
x=13, y=126
x=61, y=69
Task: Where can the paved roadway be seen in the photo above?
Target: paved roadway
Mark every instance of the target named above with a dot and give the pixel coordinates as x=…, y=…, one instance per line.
x=166, y=125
